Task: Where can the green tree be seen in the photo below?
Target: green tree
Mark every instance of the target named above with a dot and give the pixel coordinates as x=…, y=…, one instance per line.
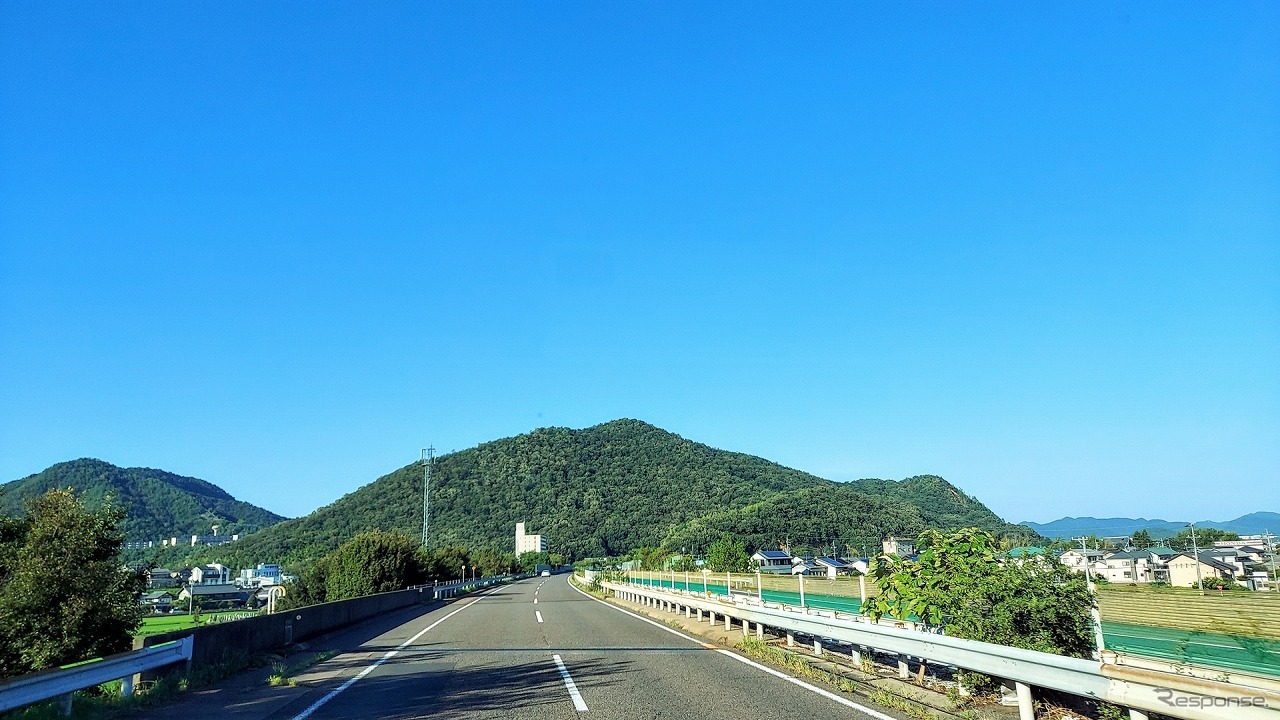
x=728, y=555
x=1141, y=540
x=1205, y=537
x=959, y=581
x=63, y=594
x=447, y=563
x=373, y=562
x=530, y=561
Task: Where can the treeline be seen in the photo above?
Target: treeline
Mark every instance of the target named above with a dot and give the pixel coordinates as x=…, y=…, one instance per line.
x=605, y=490
x=157, y=504
x=377, y=562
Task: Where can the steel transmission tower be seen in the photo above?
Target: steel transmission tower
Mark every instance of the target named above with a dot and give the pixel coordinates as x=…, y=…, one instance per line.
x=428, y=459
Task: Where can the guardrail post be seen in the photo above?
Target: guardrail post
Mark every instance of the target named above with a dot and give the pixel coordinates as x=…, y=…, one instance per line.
x=817, y=647
x=1026, y=708
x=791, y=639
x=855, y=654
x=699, y=615
x=759, y=631
x=728, y=622
x=711, y=620
x=746, y=629
x=903, y=670
x=688, y=611
x=64, y=703
x=126, y=686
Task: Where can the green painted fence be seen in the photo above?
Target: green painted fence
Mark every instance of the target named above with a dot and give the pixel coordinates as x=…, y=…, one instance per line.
x=1241, y=653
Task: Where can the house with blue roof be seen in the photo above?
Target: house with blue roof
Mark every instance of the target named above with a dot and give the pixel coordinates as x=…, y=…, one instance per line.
x=777, y=562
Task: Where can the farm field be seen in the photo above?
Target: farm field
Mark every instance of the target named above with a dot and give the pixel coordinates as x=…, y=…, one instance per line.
x=156, y=624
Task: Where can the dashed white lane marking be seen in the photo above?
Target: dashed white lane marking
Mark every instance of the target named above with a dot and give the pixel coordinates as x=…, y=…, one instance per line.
x=389, y=654
x=539, y=614
x=576, y=696
x=782, y=676
x=535, y=601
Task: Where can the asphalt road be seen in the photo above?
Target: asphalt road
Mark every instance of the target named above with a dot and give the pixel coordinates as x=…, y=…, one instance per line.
x=541, y=649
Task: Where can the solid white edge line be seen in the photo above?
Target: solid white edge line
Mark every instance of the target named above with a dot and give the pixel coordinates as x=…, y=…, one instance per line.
x=794, y=681
x=578, y=703
x=387, y=656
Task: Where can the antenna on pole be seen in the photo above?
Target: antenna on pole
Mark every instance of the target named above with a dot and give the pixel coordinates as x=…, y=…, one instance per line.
x=428, y=459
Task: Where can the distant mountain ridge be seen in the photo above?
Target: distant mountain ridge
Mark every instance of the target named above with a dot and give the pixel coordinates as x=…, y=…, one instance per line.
x=159, y=504
x=608, y=489
x=1251, y=524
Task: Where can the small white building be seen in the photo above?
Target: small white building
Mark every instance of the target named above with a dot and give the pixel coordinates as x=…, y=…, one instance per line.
x=1078, y=559
x=211, y=574
x=900, y=546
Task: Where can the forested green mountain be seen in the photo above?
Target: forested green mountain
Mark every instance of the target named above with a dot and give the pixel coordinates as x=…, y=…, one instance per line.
x=607, y=489
x=159, y=504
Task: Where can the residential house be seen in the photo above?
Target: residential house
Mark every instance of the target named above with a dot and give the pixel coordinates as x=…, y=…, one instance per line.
x=157, y=602
x=161, y=578
x=772, y=561
x=900, y=546
x=1079, y=559
x=265, y=575
x=211, y=574
x=224, y=596
x=1182, y=570
x=834, y=566
x=1019, y=555
x=1129, y=566
x=806, y=565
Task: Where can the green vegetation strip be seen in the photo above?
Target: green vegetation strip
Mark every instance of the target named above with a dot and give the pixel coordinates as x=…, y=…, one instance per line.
x=156, y=624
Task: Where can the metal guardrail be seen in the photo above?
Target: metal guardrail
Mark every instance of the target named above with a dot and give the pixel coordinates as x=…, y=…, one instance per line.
x=1143, y=691
x=62, y=682
x=453, y=587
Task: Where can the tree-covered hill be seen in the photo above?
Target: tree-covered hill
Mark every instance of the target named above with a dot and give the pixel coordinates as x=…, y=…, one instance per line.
x=822, y=519
x=159, y=504
x=607, y=489
x=941, y=504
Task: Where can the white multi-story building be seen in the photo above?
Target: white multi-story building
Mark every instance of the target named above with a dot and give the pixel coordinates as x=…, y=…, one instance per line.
x=528, y=543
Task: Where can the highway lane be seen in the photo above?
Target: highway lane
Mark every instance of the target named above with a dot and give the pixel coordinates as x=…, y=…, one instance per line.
x=541, y=649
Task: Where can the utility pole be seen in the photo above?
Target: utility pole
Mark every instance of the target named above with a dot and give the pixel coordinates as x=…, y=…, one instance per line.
x=1271, y=552
x=1093, y=601
x=1195, y=552
x=428, y=459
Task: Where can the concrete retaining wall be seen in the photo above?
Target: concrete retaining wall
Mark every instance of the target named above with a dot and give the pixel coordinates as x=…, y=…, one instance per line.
x=232, y=641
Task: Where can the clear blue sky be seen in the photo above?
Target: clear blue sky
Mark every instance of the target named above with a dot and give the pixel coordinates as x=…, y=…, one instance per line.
x=1032, y=248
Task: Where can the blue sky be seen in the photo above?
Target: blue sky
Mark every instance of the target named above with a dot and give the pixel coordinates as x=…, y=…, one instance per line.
x=1033, y=249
